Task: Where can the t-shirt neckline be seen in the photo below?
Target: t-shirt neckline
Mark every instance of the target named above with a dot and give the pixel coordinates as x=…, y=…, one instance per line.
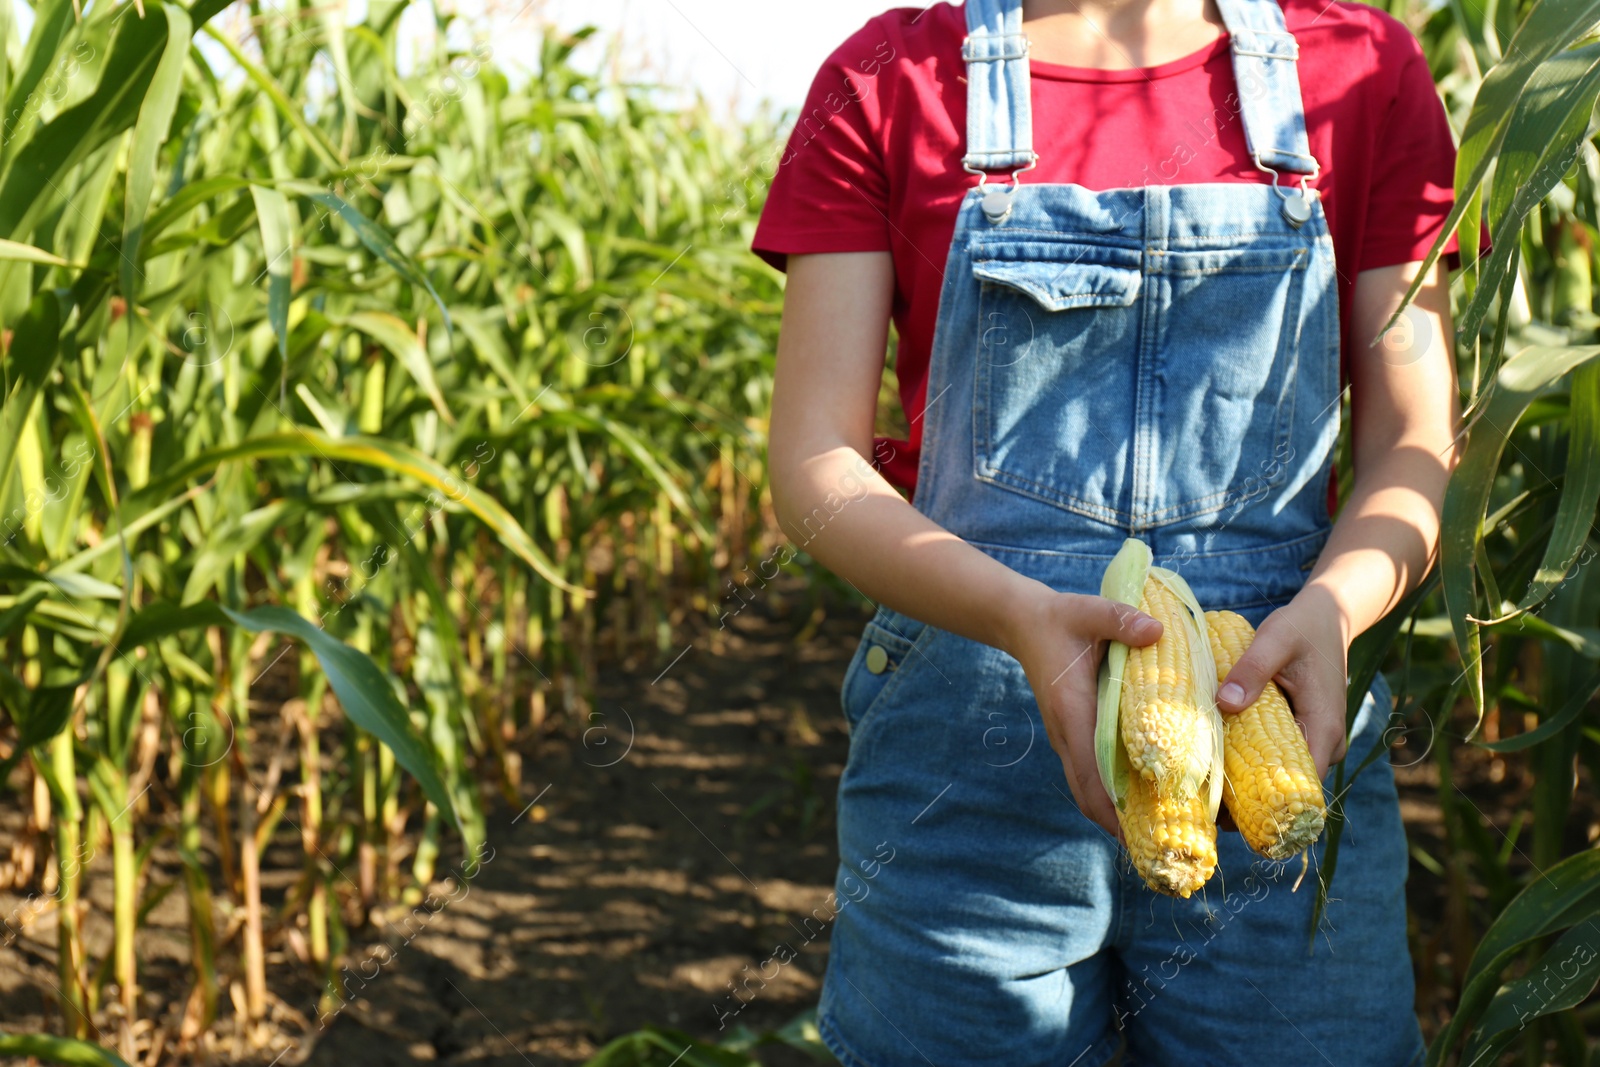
x=1062, y=72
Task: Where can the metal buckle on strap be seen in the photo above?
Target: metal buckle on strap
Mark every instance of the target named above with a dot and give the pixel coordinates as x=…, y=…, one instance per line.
x=996, y=203
x=1291, y=53
x=972, y=55
x=1316, y=167
x=1291, y=57
x=1296, y=206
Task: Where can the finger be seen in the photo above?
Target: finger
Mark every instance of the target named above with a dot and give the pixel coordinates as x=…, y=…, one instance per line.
x=1266, y=656
x=1080, y=694
x=1328, y=744
x=1090, y=796
x=1319, y=708
x=1077, y=765
x=1112, y=620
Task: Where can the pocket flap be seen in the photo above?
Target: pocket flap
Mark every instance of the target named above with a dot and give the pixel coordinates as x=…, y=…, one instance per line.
x=1058, y=285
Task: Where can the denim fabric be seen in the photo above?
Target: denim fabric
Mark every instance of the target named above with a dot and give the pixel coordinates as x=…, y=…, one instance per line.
x=1161, y=361
x=999, y=120
x=1008, y=930
x=1264, y=55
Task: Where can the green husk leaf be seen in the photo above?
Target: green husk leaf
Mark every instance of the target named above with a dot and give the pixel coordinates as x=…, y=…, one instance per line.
x=1123, y=582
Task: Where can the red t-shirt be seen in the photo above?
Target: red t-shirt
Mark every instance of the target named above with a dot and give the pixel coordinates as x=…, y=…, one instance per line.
x=874, y=162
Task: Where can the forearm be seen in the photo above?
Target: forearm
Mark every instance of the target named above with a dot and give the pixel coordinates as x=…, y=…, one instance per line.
x=1384, y=540
x=1403, y=402
x=833, y=505
x=830, y=501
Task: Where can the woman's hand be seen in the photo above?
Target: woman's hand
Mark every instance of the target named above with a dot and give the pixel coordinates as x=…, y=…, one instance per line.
x=1059, y=639
x=1302, y=647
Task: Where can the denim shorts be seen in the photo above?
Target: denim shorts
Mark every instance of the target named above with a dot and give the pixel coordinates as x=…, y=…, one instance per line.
x=1005, y=928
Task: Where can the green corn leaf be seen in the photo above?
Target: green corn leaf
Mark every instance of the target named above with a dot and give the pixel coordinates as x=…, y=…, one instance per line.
x=21, y=253
x=12, y=617
x=63, y=1050
x=1562, y=978
x=377, y=240
x=292, y=112
x=83, y=587
x=163, y=618
x=190, y=197
x=1552, y=725
x=272, y=211
x=1522, y=378
x=35, y=350
x=571, y=236
x=86, y=208
x=332, y=17
x=401, y=341
x=38, y=714
x=1566, y=895
x=368, y=451
x=331, y=421
x=52, y=21
x=363, y=691
x=1576, y=509
x=1549, y=27
x=1123, y=582
x=203, y=11
x=652, y=461
x=36, y=170
x=7, y=28
x=1552, y=119
x=149, y=132
x=659, y=1045
x=239, y=536
x=47, y=712
x=483, y=334
x=1583, y=640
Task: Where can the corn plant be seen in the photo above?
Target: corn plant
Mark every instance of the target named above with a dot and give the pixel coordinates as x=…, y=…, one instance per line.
x=425, y=374
x=1503, y=634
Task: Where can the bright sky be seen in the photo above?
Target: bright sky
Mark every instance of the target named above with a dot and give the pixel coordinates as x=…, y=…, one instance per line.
x=734, y=51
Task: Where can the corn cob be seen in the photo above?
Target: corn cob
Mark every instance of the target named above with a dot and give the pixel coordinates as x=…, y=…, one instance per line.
x=1170, y=826
x=1169, y=736
x=1173, y=844
x=1271, y=785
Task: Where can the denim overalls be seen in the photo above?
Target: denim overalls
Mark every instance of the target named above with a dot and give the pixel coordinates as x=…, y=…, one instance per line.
x=1160, y=361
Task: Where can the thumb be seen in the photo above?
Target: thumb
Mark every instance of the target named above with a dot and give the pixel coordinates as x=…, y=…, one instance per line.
x=1251, y=673
x=1112, y=620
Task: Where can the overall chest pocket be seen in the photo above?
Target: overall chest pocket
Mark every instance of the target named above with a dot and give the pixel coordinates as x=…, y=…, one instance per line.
x=1226, y=359
x=1137, y=387
x=1054, y=388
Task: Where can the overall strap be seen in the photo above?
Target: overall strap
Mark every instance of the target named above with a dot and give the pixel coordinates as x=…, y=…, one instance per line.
x=999, y=114
x=1265, y=58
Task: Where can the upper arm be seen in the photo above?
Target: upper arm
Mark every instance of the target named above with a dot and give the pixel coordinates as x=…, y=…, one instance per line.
x=1403, y=388
x=831, y=351
x=1410, y=152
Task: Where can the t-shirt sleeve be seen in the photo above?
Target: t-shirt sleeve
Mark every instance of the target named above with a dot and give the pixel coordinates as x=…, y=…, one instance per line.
x=830, y=191
x=1413, y=179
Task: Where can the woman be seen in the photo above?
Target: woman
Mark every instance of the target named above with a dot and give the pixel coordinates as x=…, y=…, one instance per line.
x=1132, y=250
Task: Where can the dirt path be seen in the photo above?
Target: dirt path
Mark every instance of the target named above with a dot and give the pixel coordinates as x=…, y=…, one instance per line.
x=674, y=837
